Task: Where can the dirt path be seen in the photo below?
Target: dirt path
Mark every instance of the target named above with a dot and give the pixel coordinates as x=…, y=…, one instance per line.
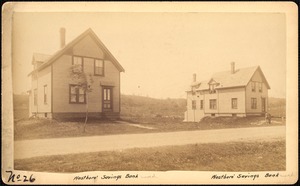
x=135, y=125
x=59, y=146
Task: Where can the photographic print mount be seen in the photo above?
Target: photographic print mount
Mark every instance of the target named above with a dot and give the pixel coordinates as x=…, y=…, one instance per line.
x=143, y=119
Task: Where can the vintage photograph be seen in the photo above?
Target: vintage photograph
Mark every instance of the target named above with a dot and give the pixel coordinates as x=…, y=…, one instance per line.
x=139, y=95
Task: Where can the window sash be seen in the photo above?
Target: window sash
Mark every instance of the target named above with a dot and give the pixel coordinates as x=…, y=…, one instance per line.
x=201, y=104
x=212, y=88
x=234, y=103
x=253, y=103
x=99, y=67
x=77, y=63
x=77, y=94
x=260, y=87
x=213, y=104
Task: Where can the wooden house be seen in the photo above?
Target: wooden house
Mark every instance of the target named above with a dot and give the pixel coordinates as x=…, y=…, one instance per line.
x=236, y=92
x=53, y=94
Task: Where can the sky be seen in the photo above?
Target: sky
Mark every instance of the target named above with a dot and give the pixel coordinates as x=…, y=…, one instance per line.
x=161, y=51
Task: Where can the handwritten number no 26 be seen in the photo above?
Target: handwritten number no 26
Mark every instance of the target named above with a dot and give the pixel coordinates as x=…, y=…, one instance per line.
x=13, y=177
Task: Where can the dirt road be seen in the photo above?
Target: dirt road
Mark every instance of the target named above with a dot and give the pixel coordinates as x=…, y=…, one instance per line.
x=59, y=146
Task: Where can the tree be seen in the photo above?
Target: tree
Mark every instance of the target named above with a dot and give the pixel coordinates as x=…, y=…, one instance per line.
x=84, y=81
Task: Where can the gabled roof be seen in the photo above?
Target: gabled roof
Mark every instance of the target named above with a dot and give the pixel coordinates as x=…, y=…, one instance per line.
x=240, y=77
x=226, y=79
x=60, y=52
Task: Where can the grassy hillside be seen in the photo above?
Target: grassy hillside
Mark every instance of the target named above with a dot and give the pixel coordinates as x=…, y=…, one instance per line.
x=277, y=107
x=135, y=107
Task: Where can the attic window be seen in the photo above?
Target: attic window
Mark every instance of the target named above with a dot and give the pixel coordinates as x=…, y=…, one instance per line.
x=253, y=86
x=99, y=67
x=260, y=87
x=77, y=64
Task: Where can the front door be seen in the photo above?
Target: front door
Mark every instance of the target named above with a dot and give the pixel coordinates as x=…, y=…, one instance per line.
x=263, y=104
x=107, y=99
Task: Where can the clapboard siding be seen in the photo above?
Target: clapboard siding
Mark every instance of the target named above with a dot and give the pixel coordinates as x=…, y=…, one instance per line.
x=62, y=80
x=44, y=78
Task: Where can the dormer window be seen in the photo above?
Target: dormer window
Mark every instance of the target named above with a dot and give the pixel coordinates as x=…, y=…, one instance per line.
x=212, y=88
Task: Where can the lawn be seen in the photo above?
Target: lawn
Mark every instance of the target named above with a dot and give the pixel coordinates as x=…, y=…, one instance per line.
x=45, y=128
x=235, y=156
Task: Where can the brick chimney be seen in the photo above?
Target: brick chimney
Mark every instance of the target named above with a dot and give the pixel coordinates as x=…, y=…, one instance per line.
x=62, y=37
x=194, y=77
x=232, y=67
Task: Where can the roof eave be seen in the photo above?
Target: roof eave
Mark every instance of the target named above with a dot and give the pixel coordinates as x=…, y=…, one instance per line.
x=237, y=86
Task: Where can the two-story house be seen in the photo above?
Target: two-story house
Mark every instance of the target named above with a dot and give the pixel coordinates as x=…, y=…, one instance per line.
x=236, y=92
x=53, y=94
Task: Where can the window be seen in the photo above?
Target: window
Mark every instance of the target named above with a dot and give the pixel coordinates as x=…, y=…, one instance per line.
x=212, y=104
x=260, y=87
x=193, y=104
x=253, y=103
x=45, y=94
x=35, y=96
x=77, y=64
x=99, y=67
x=234, y=103
x=253, y=86
x=77, y=94
x=201, y=104
x=212, y=88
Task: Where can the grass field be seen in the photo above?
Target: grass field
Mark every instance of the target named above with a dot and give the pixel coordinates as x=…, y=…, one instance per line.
x=44, y=128
x=237, y=156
